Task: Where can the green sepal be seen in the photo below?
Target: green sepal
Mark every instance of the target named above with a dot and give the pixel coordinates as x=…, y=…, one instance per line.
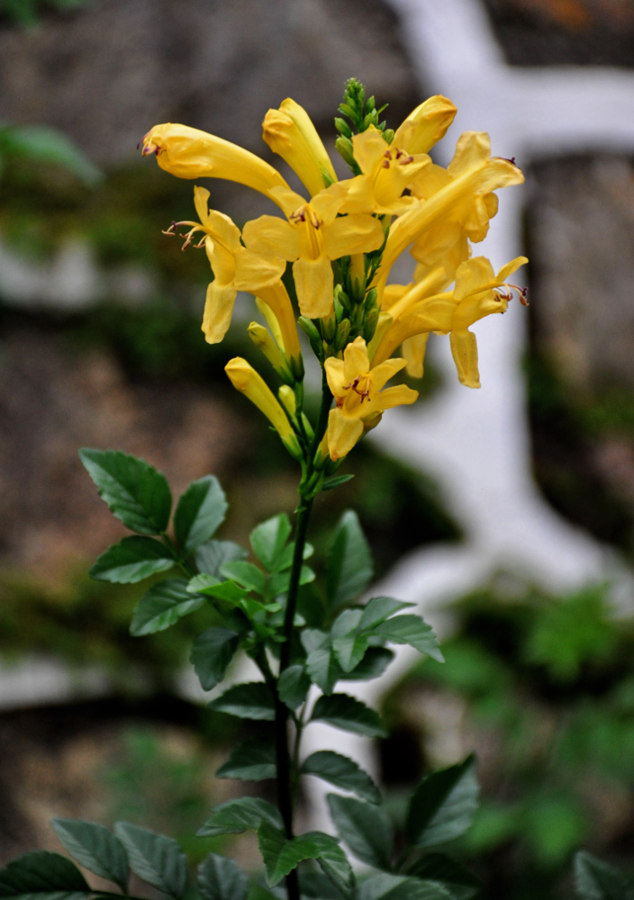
x=252, y=700
x=132, y=560
x=349, y=714
x=365, y=828
x=443, y=805
x=341, y=772
x=211, y=653
x=236, y=816
x=134, y=491
x=252, y=760
x=164, y=604
x=95, y=848
x=199, y=512
x=219, y=878
x=155, y=858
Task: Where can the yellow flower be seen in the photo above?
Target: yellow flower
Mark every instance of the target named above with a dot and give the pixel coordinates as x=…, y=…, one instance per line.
x=359, y=396
x=478, y=292
x=290, y=133
x=450, y=202
x=190, y=153
x=425, y=125
x=235, y=268
x=312, y=236
x=275, y=305
x=245, y=379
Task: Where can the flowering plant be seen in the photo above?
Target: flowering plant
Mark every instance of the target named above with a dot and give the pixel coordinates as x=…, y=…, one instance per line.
x=319, y=271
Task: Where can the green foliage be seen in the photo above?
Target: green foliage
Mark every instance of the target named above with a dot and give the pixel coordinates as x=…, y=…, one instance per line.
x=40, y=145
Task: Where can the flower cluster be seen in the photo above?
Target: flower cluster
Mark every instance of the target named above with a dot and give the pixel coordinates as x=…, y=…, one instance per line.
x=339, y=243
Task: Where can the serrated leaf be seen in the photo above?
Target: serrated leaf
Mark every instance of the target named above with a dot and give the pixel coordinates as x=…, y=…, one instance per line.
x=246, y=574
x=155, y=858
x=378, y=609
x=199, y=512
x=443, y=805
x=349, y=563
x=348, y=643
x=412, y=630
x=210, y=586
x=438, y=867
x=252, y=760
x=597, y=880
x=220, y=878
x=236, y=816
x=252, y=700
x=268, y=540
x=211, y=556
x=349, y=714
x=163, y=605
x=385, y=886
x=320, y=663
x=134, y=490
x=293, y=685
x=342, y=772
x=364, y=827
x=373, y=665
x=212, y=652
x=45, y=875
x=281, y=855
x=132, y=560
x=95, y=848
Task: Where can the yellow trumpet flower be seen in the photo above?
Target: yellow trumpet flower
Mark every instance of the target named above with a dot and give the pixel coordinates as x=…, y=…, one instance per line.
x=290, y=133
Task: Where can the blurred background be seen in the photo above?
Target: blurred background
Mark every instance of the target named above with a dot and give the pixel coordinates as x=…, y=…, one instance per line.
x=100, y=345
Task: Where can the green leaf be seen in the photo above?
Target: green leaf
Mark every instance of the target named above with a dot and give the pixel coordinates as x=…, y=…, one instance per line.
x=199, y=512
x=45, y=875
x=246, y=574
x=95, y=848
x=258, y=892
x=281, y=856
x=378, y=609
x=349, y=563
x=349, y=714
x=438, y=867
x=342, y=772
x=156, y=859
x=212, y=652
x=220, y=878
x=373, y=664
x=41, y=144
x=320, y=663
x=210, y=586
x=211, y=556
x=443, y=805
x=596, y=880
x=412, y=630
x=385, y=886
x=293, y=685
x=252, y=760
x=134, y=491
x=269, y=539
x=365, y=828
x=348, y=644
x=252, y=700
x=163, y=605
x=236, y=816
x=132, y=560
